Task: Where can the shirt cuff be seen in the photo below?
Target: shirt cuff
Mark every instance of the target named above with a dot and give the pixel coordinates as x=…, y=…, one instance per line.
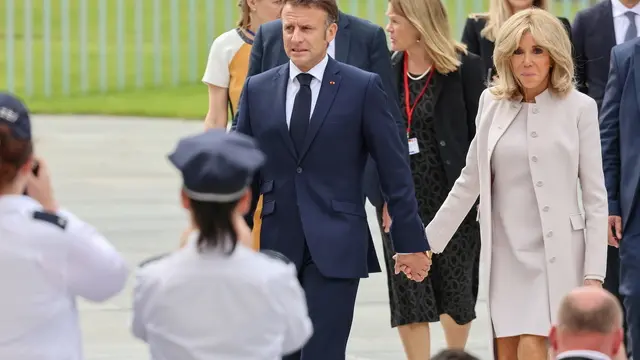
x=594, y=277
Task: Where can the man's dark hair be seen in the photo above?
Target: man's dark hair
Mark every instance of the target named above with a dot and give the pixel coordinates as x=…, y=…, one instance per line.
x=329, y=6
x=453, y=355
x=602, y=316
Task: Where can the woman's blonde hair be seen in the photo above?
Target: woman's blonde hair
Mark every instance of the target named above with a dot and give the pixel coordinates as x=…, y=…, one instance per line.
x=429, y=17
x=499, y=12
x=245, y=14
x=548, y=33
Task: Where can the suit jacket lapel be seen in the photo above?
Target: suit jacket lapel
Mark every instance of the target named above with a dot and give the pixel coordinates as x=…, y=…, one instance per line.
x=437, y=83
x=281, y=79
x=503, y=120
x=605, y=22
x=328, y=90
x=636, y=72
x=343, y=38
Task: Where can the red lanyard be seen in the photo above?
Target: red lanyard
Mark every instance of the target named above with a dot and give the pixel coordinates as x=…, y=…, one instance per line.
x=409, y=108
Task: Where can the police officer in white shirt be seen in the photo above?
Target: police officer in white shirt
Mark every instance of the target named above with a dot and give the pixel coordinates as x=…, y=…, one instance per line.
x=216, y=298
x=47, y=255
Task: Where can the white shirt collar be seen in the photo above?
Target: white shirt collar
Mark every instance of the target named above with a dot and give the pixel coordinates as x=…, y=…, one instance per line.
x=618, y=9
x=595, y=355
x=317, y=71
x=192, y=244
x=13, y=202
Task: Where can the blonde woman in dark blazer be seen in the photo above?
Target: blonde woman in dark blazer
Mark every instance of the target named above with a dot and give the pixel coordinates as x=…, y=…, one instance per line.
x=537, y=138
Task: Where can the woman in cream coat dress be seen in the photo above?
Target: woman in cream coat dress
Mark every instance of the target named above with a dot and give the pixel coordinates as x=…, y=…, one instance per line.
x=537, y=139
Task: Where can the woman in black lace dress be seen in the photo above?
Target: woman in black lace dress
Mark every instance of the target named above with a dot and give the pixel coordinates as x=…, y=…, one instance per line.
x=439, y=84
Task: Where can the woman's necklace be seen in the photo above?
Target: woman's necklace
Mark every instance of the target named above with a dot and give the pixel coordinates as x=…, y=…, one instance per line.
x=420, y=76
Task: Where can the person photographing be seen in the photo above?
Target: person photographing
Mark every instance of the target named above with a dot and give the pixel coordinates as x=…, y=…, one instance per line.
x=48, y=256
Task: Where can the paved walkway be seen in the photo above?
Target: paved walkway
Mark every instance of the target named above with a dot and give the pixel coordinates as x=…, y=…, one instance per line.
x=113, y=173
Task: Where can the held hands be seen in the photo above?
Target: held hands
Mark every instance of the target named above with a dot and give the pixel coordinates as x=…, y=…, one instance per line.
x=615, y=230
x=415, y=266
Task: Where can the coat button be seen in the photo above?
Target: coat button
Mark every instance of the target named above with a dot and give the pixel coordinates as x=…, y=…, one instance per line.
x=534, y=134
x=447, y=162
x=552, y=260
x=550, y=234
x=535, y=110
x=539, y=184
x=514, y=106
x=534, y=158
x=443, y=143
x=299, y=170
x=545, y=209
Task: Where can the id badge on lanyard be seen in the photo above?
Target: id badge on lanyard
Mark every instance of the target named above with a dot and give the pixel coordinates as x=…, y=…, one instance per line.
x=414, y=147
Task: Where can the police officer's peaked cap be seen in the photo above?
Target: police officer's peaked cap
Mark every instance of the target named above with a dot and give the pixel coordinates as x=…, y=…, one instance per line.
x=217, y=166
x=14, y=113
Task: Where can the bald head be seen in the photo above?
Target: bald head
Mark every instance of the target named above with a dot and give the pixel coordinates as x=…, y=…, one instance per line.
x=590, y=309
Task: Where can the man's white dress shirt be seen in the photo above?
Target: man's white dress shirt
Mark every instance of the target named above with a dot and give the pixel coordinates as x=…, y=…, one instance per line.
x=589, y=354
x=294, y=85
x=621, y=21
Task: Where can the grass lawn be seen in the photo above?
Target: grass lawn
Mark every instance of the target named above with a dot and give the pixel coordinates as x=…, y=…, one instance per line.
x=137, y=75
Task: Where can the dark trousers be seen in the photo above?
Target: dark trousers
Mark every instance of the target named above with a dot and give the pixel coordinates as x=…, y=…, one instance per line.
x=331, y=304
x=612, y=284
x=632, y=309
x=629, y=283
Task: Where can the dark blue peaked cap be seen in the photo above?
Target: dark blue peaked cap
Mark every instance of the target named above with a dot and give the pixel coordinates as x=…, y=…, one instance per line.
x=217, y=166
x=14, y=113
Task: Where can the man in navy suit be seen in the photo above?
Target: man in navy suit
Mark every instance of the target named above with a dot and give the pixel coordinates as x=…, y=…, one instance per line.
x=317, y=120
x=619, y=133
x=595, y=31
x=359, y=43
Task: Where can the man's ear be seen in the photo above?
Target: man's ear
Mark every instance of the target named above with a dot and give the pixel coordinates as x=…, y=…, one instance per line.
x=332, y=30
x=618, y=340
x=185, y=201
x=244, y=204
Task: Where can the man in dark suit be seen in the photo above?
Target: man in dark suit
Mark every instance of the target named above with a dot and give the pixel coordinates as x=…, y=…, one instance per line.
x=359, y=43
x=619, y=133
x=317, y=119
x=589, y=326
x=595, y=31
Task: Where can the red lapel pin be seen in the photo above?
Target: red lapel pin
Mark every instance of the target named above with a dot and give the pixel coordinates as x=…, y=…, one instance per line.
x=332, y=82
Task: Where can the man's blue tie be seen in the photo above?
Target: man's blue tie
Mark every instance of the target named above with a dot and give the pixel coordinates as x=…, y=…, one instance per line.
x=301, y=112
x=632, y=31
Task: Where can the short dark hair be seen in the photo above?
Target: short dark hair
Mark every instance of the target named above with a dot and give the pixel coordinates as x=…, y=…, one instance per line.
x=329, y=6
x=451, y=354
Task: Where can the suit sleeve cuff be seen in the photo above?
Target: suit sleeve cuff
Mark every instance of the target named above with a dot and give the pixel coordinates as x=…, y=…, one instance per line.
x=614, y=208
